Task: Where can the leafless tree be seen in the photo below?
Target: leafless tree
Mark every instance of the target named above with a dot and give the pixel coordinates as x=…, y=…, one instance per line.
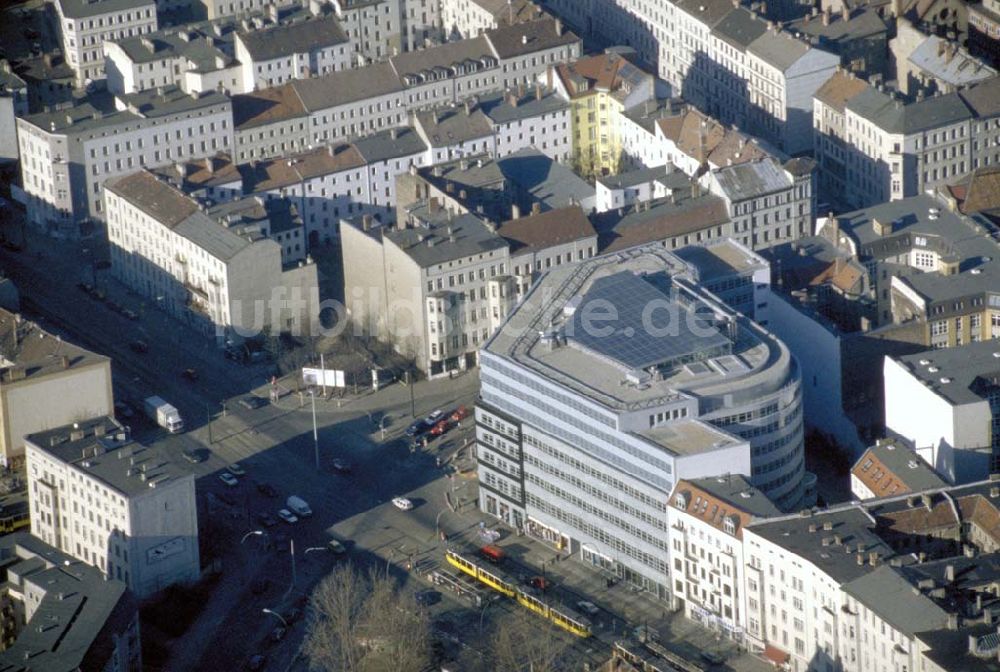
x=522, y=641
x=363, y=623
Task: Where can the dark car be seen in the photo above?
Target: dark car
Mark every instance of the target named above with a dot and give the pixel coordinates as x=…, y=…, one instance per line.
x=139, y=347
x=251, y=402
x=191, y=375
x=266, y=519
x=124, y=411
x=194, y=456
x=266, y=489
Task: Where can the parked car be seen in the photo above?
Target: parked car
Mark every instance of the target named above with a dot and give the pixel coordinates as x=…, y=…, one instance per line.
x=402, y=503
x=194, y=455
x=433, y=417
x=266, y=519
x=588, y=608
x=459, y=414
x=539, y=583
x=440, y=427
x=341, y=465
x=288, y=516
x=251, y=402
x=124, y=411
x=416, y=428
x=190, y=375
x=229, y=479
x=139, y=347
x=336, y=547
x=266, y=489
x=236, y=470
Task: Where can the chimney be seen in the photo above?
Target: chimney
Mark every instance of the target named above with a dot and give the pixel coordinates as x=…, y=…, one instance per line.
x=926, y=499
x=536, y=208
x=873, y=558
x=826, y=16
x=47, y=59
x=812, y=527
x=559, y=27
x=515, y=211
x=845, y=14
x=462, y=195
x=468, y=107
x=837, y=540
x=366, y=223
x=434, y=205
x=861, y=558
x=828, y=525
x=949, y=573
x=394, y=133
x=538, y=91
x=952, y=621
x=210, y=164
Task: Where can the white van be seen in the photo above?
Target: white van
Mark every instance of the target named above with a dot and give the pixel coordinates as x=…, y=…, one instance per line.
x=298, y=506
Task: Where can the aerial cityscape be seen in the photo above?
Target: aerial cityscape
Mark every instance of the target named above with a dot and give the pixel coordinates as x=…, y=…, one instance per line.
x=500, y=335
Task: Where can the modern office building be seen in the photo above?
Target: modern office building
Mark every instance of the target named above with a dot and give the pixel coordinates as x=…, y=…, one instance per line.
x=611, y=380
x=127, y=509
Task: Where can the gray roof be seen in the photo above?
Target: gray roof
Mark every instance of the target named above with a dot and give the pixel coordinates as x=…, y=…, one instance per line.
x=442, y=56
x=75, y=632
x=448, y=126
x=382, y=146
x=889, y=595
x=432, y=245
x=95, y=115
x=967, y=240
x=737, y=490
x=111, y=464
x=9, y=80
x=347, y=86
x=529, y=37
x=904, y=465
x=79, y=9
x=546, y=181
x=854, y=527
x=862, y=24
x=750, y=180
x=498, y=108
x=295, y=38
x=721, y=258
x=896, y=117
x=780, y=50
x=972, y=369
x=200, y=47
x=983, y=98
x=633, y=177
x=957, y=69
x=949, y=649
x=709, y=12
x=740, y=28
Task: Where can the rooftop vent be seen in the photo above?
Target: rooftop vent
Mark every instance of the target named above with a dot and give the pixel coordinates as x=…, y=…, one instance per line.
x=945, y=380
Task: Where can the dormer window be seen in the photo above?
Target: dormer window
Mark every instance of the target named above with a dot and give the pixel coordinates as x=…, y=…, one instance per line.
x=729, y=524
x=681, y=501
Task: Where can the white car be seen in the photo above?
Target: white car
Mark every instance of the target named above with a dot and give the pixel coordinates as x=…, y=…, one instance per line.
x=228, y=479
x=236, y=470
x=588, y=608
x=288, y=516
x=434, y=416
x=402, y=503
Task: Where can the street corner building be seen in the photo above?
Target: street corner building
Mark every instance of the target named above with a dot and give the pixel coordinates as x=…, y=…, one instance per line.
x=582, y=435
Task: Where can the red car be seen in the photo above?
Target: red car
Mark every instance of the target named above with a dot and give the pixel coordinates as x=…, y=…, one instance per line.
x=459, y=414
x=441, y=427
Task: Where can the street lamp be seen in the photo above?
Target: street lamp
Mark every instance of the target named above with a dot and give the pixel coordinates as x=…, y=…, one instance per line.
x=276, y=615
x=314, y=548
x=252, y=533
x=312, y=398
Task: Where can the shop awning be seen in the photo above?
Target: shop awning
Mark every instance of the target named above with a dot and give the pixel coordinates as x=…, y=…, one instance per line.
x=775, y=655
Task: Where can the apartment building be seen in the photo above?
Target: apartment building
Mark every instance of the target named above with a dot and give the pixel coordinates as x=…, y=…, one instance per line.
x=948, y=400
x=707, y=517
x=222, y=9
x=468, y=18
x=892, y=467
x=278, y=54
x=984, y=30
x=45, y=382
x=538, y=118
x=379, y=29
x=859, y=36
x=768, y=203
x=937, y=65
x=126, y=509
x=62, y=614
x=380, y=96
x=13, y=104
x=68, y=154
x=890, y=149
x=85, y=25
x=581, y=440
x=223, y=279
x=600, y=89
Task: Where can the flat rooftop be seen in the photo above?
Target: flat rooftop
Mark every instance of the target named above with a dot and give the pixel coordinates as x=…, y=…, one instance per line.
x=735, y=349
x=29, y=353
x=721, y=258
x=102, y=448
x=688, y=437
x=959, y=375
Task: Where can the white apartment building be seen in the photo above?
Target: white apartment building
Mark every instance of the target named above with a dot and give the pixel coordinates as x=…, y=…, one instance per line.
x=706, y=518
x=278, y=54
x=872, y=147
x=539, y=119
x=948, y=400
x=768, y=203
x=67, y=155
x=224, y=283
x=189, y=58
x=360, y=101
x=218, y=9
x=85, y=25
x=124, y=508
x=382, y=28
x=468, y=18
